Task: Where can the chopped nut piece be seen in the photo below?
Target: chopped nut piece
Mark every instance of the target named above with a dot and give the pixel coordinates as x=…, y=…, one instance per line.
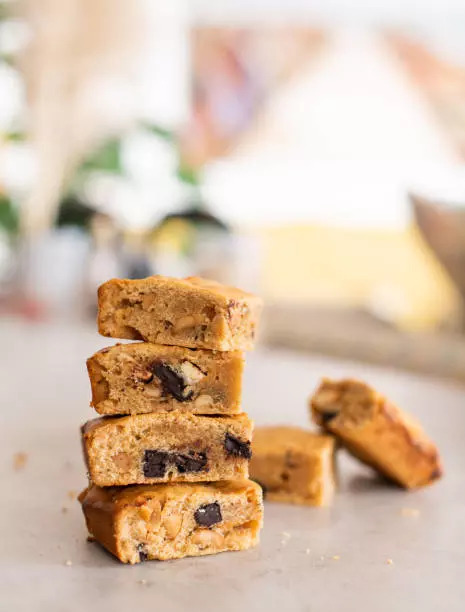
x=203, y=401
x=122, y=461
x=172, y=525
x=204, y=538
x=155, y=517
x=191, y=373
x=187, y=322
x=153, y=392
x=145, y=513
x=144, y=376
x=326, y=399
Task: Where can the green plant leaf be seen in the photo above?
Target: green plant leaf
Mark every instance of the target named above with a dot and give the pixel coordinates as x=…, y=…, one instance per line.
x=153, y=128
x=107, y=158
x=9, y=216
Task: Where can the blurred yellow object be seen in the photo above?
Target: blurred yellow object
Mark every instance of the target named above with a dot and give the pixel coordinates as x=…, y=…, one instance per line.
x=393, y=274
x=174, y=235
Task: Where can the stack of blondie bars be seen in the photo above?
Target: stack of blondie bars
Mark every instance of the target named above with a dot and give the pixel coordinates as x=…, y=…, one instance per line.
x=168, y=462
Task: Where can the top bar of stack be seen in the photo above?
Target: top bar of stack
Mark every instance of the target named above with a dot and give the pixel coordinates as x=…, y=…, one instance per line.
x=192, y=312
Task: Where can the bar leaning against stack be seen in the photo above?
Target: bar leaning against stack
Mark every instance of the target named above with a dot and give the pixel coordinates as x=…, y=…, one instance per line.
x=172, y=421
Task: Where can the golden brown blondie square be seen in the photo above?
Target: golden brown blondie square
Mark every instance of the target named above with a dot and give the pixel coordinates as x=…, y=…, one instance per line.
x=164, y=447
x=191, y=312
x=376, y=431
x=293, y=465
x=144, y=377
x=174, y=520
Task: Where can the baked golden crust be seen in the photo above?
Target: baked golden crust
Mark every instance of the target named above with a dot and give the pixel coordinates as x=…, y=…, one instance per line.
x=293, y=465
x=142, y=377
x=164, y=447
x=191, y=312
x=376, y=431
x=174, y=520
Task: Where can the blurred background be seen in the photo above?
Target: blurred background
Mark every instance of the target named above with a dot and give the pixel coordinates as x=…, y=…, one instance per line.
x=313, y=152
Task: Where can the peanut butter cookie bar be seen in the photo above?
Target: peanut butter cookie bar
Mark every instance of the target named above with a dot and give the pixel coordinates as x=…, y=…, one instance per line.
x=174, y=520
x=163, y=447
x=376, y=431
x=293, y=465
x=193, y=312
x=144, y=377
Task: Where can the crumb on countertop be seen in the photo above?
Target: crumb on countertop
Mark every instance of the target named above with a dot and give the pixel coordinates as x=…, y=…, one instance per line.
x=68, y=563
x=336, y=557
x=19, y=460
x=411, y=512
x=389, y=561
x=72, y=494
x=64, y=509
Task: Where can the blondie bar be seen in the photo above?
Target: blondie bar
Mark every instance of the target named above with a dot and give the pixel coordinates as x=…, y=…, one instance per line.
x=163, y=447
x=376, y=431
x=144, y=377
x=174, y=520
x=293, y=465
x=193, y=312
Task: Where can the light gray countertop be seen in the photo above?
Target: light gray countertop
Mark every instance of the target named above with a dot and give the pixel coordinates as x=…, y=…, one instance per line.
x=44, y=398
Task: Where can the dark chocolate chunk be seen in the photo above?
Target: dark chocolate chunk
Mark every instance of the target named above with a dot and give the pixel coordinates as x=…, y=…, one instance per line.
x=237, y=447
x=208, y=514
x=143, y=556
x=326, y=417
x=155, y=463
x=171, y=382
x=193, y=462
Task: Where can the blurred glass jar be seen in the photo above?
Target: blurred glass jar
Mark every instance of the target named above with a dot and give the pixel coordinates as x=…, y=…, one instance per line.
x=53, y=272
x=194, y=242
